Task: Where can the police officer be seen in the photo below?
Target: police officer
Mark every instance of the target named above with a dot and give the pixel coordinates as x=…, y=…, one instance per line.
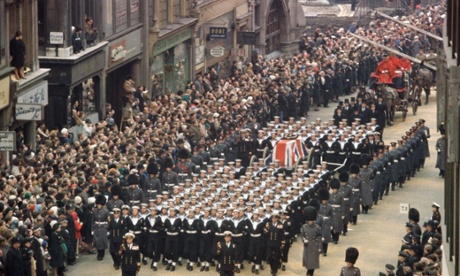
x=116, y=232
x=130, y=256
x=275, y=242
x=101, y=219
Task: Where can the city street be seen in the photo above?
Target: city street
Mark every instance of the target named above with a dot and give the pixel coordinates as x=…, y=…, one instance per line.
x=377, y=235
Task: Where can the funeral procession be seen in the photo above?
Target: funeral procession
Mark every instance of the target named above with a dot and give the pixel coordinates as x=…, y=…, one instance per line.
x=226, y=137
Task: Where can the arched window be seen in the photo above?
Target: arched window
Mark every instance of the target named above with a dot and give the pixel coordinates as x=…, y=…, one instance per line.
x=273, y=31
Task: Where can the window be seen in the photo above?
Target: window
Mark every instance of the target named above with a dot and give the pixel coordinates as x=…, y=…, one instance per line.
x=273, y=31
x=134, y=12
x=3, y=37
x=121, y=15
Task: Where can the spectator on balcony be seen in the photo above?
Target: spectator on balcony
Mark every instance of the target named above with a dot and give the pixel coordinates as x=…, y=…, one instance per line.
x=91, y=33
x=76, y=40
x=18, y=53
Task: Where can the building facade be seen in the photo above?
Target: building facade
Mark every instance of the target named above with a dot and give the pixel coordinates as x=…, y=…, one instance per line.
x=21, y=101
x=112, y=37
x=171, y=49
x=448, y=101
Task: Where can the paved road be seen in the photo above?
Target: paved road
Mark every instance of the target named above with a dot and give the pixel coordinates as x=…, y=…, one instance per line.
x=377, y=234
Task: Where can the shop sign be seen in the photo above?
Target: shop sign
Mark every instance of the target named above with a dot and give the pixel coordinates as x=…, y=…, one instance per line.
x=124, y=48
x=56, y=38
x=238, y=52
x=29, y=112
x=7, y=140
x=246, y=38
x=4, y=92
x=171, y=41
x=217, y=32
x=217, y=51
x=36, y=95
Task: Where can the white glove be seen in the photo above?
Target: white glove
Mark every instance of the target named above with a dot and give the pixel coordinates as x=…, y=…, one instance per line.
x=305, y=241
x=92, y=233
x=108, y=233
x=351, y=209
x=322, y=239
x=343, y=217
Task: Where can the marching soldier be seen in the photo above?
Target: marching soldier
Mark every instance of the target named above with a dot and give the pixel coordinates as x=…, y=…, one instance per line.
x=355, y=183
x=237, y=226
x=329, y=152
x=154, y=228
x=136, y=226
x=101, y=219
x=130, y=256
x=169, y=178
x=153, y=183
x=226, y=252
x=207, y=227
x=191, y=228
x=136, y=195
x=325, y=210
x=377, y=167
x=351, y=255
x=183, y=166
x=336, y=202
x=310, y=234
x=347, y=192
x=260, y=143
x=172, y=227
x=275, y=242
x=366, y=175
x=115, y=201
x=117, y=231
x=286, y=222
x=255, y=231
x=436, y=215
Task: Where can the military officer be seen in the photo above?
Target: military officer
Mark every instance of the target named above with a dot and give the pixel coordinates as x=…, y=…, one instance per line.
x=355, y=183
x=289, y=236
x=130, y=256
x=169, y=178
x=366, y=175
x=325, y=211
x=115, y=201
x=117, y=231
x=226, y=252
x=101, y=219
x=153, y=183
x=275, y=242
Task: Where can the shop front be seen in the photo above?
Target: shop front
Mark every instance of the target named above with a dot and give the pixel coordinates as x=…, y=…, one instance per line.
x=76, y=87
x=172, y=60
x=123, y=60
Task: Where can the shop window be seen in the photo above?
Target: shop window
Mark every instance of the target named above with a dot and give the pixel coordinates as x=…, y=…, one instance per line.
x=273, y=31
x=83, y=101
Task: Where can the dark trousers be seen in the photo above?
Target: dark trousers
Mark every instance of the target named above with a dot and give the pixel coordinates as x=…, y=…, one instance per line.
x=128, y=273
x=172, y=248
x=325, y=98
x=254, y=250
x=285, y=252
x=114, y=248
x=153, y=247
x=206, y=249
x=226, y=273
x=274, y=257
x=191, y=247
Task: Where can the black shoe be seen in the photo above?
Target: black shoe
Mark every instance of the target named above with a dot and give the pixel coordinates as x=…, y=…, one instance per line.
x=207, y=268
x=242, y=266
x=344, y=234
x=99, y=258
x=168, y=267
x=238, y=270
x=164, y=262
x=257, y=272
x=217, y=269
x=213, y=264
x=144, y=262
x=154, y=268
x=324, y=254
x=335, y=242
x=202, y=268
x=187, y=266
x=283, y=268
x=198, y=264
x=179, y=263
x=173, y=268
x=253, y=268
x=116, y=267
x=190, y=268
x=262, y=267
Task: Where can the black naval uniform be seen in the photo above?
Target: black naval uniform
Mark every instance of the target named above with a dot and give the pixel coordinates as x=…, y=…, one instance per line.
x=130, y=259
x=275, y=243
x=226, y=255
x=154, y=228
x=117, y=230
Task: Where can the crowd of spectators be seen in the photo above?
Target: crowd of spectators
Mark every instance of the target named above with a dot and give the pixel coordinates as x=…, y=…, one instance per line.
x=55, y=184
